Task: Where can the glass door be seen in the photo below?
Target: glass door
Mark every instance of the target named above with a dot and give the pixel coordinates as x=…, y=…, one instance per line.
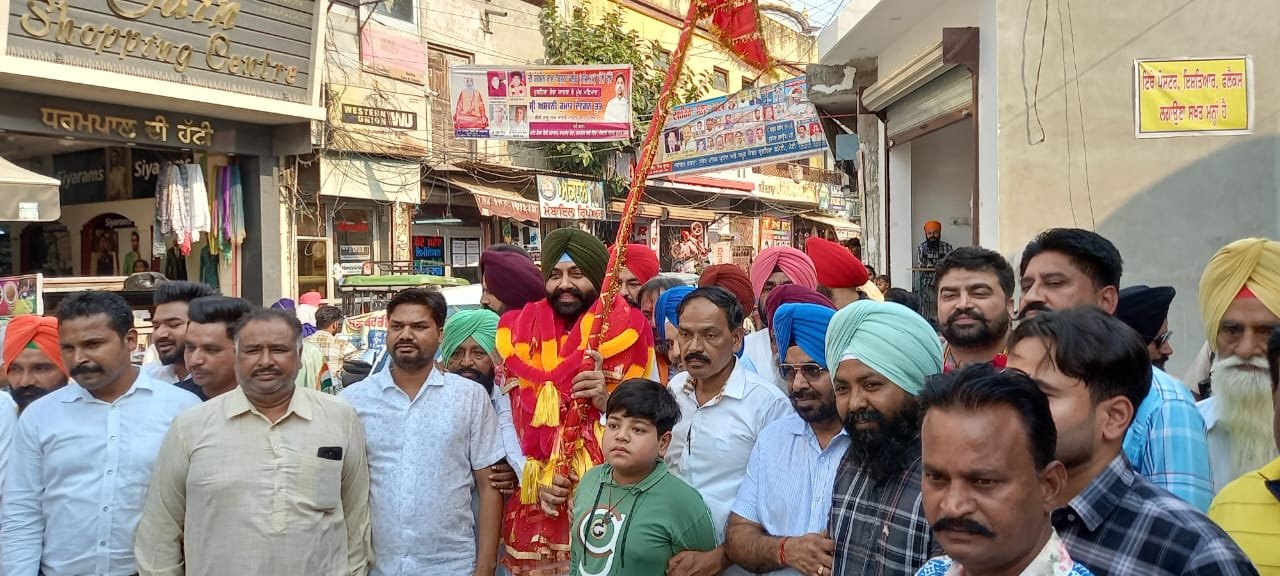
x=313, y=266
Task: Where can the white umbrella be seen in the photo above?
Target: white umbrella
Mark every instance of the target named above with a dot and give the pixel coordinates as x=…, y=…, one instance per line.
x=26, y=196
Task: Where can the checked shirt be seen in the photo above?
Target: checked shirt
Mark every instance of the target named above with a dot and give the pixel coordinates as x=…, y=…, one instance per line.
x=879, y=526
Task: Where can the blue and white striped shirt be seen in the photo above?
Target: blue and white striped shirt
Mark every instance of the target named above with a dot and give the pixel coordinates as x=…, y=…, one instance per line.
x=789, y=481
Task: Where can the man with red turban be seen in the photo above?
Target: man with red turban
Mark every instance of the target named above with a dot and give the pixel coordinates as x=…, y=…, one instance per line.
x=731, y=278
x=32, y=358
x=840, y=273
x=773, y=267
x=640, y=265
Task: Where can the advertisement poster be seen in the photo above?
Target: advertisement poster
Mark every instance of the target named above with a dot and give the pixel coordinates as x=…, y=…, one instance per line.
x=389, y=52
x=367, y=332
x=562, y=103
x=570, y=198
x=21, y=295
x=766, y=124
x=1194, y=96
x=774, y=232
x=428, y=255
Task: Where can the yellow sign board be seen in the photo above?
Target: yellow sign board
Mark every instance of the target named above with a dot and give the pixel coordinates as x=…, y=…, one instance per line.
x=1193, y=96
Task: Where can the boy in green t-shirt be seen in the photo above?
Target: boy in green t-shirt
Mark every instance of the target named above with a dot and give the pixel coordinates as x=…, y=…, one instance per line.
x=630, y=515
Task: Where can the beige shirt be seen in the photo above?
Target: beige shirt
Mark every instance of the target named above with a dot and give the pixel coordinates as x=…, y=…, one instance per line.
x=232, y=493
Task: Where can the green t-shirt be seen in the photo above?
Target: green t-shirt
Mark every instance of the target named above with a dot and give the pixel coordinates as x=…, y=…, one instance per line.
x=636, y=529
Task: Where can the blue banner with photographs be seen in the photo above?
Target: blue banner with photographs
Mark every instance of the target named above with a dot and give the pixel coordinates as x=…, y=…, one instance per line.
x=755, y=126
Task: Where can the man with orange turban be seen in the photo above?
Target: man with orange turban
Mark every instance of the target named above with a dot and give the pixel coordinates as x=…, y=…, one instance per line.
x=32, y=358
x=1240, y=304
x=928, y=255
x=640, y=265
x=731, y=278
x=840, y=273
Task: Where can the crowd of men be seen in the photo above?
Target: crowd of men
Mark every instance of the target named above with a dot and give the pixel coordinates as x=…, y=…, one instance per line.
x=548, y=433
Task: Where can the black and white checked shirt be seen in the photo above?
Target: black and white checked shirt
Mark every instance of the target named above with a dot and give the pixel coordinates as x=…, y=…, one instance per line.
x=1122, y=524
x=879, y=527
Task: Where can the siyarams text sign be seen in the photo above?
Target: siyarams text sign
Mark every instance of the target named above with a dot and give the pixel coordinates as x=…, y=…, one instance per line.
x=254, y=47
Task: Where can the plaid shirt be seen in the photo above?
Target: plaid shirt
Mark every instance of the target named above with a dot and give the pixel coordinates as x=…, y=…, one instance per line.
x=879, y=527
x=1167, y=443
x=1123, y=524
x=930, y=256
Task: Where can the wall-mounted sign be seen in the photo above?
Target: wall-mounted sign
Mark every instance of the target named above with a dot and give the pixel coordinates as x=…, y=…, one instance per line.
x=253, y=47
x=570, y=198
x=428, y=255
x=565, y=103
x=377, y=120
x=187, y=133
x=389, y=52
x=1193, y=96
x=766, y=124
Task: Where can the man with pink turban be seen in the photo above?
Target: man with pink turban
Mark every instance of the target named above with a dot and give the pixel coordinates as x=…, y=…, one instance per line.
x=772, y=268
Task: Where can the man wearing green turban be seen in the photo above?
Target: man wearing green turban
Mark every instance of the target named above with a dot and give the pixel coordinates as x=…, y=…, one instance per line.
x=466, y=348
x=881, y=354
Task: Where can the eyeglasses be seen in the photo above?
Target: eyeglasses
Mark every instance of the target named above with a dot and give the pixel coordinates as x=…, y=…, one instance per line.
x=1162, y=339
x=810, y=371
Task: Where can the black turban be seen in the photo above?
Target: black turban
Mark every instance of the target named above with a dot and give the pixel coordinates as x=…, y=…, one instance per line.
x=587, y=252
x=1145, y=309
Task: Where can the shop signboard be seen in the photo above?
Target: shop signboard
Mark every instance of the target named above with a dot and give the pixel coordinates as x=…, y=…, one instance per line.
x=377, y=120
x=1193, y=96
x=754, y=126
x=21, y=295
x=557, y=103
x=392, y=53
x=428, y=255
x=254, y=47
x=774, y=232
x=570, y=198
x=367, y=332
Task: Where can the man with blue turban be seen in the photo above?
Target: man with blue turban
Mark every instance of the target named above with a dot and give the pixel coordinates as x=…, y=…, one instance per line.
x=784, y=500
x=666, y=320
x=882, y=354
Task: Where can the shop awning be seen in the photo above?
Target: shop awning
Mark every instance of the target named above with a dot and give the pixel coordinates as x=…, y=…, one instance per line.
x=844, y=228
x=500, y=202
x=648, y=210
x=26, y=196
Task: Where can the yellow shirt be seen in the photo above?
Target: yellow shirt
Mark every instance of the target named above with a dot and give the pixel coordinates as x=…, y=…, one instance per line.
x=232, y=493
x=1250, y=512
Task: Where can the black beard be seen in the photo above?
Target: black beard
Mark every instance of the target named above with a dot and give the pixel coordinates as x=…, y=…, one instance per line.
x=823, y=412
x=25, y=395
x=571, y=311
x=475, y=376
x=880, y=450
x=176, y=357
x=984, y=333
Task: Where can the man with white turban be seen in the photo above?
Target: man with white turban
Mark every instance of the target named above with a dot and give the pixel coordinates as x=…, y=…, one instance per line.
x=882, y=353
x=1240, y=304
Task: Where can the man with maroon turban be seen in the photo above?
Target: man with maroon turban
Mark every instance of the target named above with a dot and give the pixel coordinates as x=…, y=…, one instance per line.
x=640, y=265
x=509, y=279
x=32, y=358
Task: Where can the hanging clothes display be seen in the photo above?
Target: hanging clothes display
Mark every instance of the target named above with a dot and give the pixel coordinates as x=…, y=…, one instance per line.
x=209, y=265
x=200, y=218
x=182, y=206
x=175, y=263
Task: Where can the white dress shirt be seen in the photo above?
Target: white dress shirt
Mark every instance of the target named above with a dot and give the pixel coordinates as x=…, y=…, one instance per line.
x=789, y=481
x=507, y=427
x=423, y=453
x=758, y=349
x=78, y=477
x=8, y=421
x=711, y=444
x=158, y=371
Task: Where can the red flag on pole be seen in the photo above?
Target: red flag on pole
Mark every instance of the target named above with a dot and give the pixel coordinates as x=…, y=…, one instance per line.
x=737, y=26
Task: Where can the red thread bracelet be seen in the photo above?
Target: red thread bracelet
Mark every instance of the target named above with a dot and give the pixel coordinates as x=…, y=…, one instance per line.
x=782, y=551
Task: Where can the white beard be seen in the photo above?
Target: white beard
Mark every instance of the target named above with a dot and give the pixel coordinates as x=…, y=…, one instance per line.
x=1246, y=410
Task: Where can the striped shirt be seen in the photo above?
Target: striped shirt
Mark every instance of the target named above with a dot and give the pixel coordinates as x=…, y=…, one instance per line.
x=879, y=526
x=787, y=489
x=1122, y=524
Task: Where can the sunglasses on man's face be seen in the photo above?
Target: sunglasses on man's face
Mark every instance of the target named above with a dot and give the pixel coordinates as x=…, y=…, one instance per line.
x=809, y=370
x=1161, y=340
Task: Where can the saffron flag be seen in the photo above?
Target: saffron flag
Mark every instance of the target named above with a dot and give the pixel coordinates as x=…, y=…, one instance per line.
x=737, y=26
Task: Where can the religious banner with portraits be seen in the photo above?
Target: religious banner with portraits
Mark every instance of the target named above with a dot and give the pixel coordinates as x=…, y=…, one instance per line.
x=560, y=103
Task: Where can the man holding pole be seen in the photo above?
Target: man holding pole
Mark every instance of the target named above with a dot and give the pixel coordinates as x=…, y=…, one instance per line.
x=561, y=386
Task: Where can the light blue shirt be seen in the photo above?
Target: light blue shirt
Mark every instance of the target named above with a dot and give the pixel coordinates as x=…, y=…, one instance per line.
x=789, y=481
x=1167, y=442
x=8, y=421
x=77, y=479
x=423, y=452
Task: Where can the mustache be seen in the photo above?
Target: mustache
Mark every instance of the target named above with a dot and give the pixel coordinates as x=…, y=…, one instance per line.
x=269, y=372
x=696, y=356
x=1236, y=362
x=576, y=293
x=865, y=415
x=86, y=369
x=963, y=526
x=973, y=313
x=1034, y=306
